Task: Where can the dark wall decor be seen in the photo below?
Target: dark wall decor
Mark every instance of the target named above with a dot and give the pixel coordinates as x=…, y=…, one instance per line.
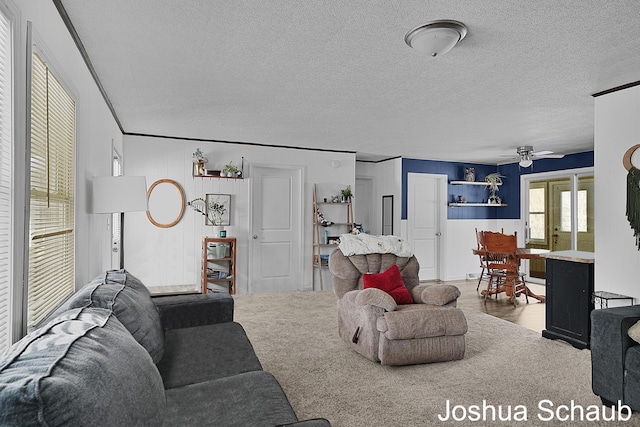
x=633, y=193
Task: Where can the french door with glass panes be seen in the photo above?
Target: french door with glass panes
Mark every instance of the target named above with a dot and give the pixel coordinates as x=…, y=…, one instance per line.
x=558, y=215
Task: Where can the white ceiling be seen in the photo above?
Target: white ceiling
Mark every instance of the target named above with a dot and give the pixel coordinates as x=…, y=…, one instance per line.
x=331, y=74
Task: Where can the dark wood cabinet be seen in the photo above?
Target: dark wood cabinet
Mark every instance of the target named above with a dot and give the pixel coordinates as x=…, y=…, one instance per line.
x=569, y=302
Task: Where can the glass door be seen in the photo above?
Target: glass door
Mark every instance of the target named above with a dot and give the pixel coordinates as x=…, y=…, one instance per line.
x=558, y=216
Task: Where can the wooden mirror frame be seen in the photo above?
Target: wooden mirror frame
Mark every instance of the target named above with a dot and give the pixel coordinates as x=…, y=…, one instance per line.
x=626, y=159
x=174, y=183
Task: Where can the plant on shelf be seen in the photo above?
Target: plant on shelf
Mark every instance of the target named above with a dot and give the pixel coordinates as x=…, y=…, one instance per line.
x=230, y=170
x=494, y=180
x=214, y=211
x=346, y=194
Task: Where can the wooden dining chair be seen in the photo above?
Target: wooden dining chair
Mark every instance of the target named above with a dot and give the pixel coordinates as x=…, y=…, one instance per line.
x=484, y=273
x=500, y=252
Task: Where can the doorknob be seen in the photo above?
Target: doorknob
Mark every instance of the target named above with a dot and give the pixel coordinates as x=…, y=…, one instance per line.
x=255, y=236
x=438, y=234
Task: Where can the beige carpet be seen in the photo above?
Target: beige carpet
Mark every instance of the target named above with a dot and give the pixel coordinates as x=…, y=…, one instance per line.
x=295, y=337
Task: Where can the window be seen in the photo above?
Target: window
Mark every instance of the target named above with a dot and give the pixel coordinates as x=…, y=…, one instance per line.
x=537, y=212
x=116, y=170
x=565, y=211
x=51, y=221
x=6, y=181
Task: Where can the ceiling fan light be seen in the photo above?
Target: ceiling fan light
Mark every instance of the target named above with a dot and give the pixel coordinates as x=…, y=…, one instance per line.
x=525, y=163
x=436, y=38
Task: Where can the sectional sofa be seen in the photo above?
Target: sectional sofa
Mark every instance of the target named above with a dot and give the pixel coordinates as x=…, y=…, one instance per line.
x=115, y=356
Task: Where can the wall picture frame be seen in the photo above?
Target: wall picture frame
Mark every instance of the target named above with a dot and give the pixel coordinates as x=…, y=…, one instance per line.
x=223, y=218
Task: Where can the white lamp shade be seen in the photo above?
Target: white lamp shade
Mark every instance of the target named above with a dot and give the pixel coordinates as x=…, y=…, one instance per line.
x=437, y=37
x=113, y=194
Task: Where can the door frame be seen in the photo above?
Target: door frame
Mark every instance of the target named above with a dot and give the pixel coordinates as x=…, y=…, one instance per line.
x=573, y=175
x=114, y=249
x=441, y=246
x=373, y=212
x=299, y=244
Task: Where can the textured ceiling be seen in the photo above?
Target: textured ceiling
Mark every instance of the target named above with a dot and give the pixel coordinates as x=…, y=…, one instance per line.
x=338, y=75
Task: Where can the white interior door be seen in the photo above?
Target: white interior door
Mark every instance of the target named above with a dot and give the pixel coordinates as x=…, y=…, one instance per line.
x=424, y=206
x=276, y=229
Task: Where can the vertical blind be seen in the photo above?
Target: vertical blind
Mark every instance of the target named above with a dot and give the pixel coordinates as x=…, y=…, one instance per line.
x=51, y=222
x=6, y=176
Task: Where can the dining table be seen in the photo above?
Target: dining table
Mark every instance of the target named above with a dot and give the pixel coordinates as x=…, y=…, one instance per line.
x=524, y=253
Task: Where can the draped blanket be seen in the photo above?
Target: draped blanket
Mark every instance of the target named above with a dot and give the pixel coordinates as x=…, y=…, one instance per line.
x=633, y=202
x=362, y=244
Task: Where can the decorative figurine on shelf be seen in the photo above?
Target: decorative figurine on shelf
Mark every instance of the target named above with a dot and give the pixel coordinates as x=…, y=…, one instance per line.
x=469, y=174
x=322, y=220
x=199, y=159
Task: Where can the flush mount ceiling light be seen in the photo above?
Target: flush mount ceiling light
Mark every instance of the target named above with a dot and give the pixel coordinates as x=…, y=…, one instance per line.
x=436, y=37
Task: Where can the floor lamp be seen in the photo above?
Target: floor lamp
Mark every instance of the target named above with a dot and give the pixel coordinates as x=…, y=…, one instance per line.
x=119, y=194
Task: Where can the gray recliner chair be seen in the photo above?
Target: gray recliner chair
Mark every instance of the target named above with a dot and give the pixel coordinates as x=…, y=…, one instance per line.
x=371, y=323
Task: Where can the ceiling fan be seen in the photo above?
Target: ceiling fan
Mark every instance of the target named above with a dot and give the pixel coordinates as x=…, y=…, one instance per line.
x=526, y=155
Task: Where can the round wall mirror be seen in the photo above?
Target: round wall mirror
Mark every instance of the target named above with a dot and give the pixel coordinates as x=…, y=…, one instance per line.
x=166, y=203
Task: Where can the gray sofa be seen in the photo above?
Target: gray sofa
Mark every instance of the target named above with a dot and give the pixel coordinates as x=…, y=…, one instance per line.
x=115, y=356
x=615, y=357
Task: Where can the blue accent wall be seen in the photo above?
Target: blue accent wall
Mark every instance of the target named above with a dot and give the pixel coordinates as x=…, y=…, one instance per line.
x=509, y=191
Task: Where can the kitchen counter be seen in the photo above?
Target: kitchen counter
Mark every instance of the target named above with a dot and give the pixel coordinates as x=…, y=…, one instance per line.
x=575, y=256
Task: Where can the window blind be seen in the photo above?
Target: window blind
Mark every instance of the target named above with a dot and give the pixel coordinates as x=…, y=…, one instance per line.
x=6, y=182
x=51, y=222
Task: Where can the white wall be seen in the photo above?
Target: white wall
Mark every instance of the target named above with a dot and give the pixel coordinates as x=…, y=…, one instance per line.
x=617, y=128
x=95, y=130
x=461, y=239
x=171, y=256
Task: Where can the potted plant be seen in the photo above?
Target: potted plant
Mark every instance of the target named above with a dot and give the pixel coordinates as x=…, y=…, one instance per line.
x=346, y=195
x=213, y=212
x=230, y=170
x=494, y=180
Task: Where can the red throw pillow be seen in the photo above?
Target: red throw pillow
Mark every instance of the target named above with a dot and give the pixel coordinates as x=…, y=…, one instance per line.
x=391, y=282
